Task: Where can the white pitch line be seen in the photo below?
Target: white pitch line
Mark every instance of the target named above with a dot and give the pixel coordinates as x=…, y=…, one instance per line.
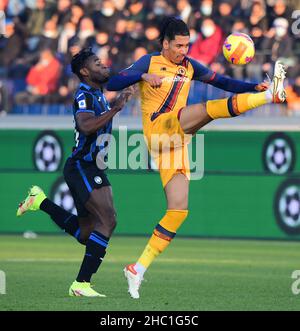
x=160, y=260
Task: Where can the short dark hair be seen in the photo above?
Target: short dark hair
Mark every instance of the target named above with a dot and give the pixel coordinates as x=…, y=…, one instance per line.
x=172, y=27
x=79, y=60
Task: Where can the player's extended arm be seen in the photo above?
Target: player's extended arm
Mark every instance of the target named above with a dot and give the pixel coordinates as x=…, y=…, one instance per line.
x=206, y=75
x=88, y=123
x=131, y=75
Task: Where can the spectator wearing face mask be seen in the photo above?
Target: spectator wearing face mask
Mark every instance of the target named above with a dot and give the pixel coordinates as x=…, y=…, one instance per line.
x=86, y=35
x=160, y=9
x=209, y=43
x=278, y=44
x=68, y=32
x=206, y=8
x=49, y=38
x=37, y=18
x=293, y=97
x=105, y=16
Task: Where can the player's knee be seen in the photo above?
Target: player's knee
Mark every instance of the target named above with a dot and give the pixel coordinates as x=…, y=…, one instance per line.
x=112, y=219
x=178, y=203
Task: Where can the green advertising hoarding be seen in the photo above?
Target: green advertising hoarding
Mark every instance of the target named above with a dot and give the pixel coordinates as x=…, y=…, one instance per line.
x=250, y=187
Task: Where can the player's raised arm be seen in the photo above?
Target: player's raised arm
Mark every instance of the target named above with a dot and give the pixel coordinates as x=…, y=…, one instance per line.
x=133, y=74
x=86, y=120
x=206, y=75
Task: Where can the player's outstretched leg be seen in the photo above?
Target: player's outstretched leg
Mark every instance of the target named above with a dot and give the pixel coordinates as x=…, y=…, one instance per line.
x=177, y=196
x=37, y=200
x=193, y=117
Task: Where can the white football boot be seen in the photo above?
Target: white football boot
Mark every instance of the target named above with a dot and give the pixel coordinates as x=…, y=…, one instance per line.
x=134, y=280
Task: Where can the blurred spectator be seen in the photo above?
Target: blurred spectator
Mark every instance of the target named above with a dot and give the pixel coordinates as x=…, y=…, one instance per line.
x=258, y=17
x=151, y=42
x=37, y=18
x=278, y=43
x=208, y=45
x=49, y=38
x=206, y=8
x=120, y=31
x=105, y=16
x=68, y=31
x=225, y=16
x=63, y=12
x=42, y=79
x=136, y=11
x=281, y=9
x=160, y=9
x=77, y=13
x=86, y=35
x=293, y=97
x=11, y=45
x=186, y=13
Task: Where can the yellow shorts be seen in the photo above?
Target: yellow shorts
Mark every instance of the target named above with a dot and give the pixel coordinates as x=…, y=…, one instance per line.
x=167, y=145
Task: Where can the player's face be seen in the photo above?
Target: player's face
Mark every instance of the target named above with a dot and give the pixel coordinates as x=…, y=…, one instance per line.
x=176, y=49
x=97, y=71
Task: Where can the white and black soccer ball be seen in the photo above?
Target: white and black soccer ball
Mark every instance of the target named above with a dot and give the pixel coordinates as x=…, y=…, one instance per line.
x=279, y=154
x=287, y=206
x=61, y=195
x=47, y=152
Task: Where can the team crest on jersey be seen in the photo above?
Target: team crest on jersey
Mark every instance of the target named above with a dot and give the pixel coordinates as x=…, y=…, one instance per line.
x=181, y=71
x=98, y=180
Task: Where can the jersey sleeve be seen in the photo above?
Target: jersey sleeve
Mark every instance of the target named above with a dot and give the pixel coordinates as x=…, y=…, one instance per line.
x=84, y=103
x=208, y=76
x=201, y=72
x=130, y=75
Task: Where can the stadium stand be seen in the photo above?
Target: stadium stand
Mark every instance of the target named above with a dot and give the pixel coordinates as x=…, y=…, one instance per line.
x=47, y=33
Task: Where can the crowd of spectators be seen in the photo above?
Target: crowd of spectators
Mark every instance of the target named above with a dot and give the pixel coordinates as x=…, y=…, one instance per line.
x=41, y=36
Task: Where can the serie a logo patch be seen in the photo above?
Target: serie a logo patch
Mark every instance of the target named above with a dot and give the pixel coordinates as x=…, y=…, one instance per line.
x=82, y=104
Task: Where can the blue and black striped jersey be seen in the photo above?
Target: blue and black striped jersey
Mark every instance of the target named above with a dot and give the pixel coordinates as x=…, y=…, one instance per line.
x=90, y=100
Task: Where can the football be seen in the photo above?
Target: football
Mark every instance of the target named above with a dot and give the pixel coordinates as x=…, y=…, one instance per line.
x=238, y=49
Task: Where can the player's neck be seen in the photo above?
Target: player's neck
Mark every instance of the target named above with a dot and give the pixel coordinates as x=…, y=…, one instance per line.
x=92, y=84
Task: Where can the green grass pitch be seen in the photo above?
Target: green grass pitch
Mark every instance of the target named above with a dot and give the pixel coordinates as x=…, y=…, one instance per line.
x=193, y=274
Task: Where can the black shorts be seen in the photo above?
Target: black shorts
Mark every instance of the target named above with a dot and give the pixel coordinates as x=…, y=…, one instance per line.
x=82, y=178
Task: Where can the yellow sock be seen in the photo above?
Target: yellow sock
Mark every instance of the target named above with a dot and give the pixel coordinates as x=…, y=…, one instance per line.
x=236, y=105
x=162, y=235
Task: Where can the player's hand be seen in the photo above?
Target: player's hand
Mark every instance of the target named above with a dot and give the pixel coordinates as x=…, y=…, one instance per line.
x=154, y=80
x=262, y=86
x=125, y=95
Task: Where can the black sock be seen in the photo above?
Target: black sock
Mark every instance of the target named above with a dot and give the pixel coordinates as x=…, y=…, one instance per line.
x=94, y=254
x=65, y=220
